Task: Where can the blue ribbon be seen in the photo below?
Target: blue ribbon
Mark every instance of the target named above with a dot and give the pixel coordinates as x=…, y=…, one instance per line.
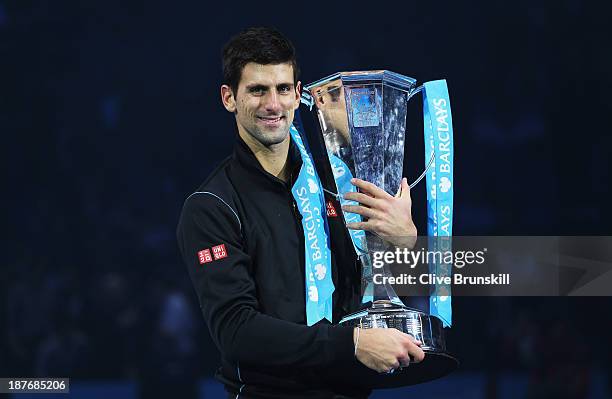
x=342, y=176
x=438, y=129
x=308, y=194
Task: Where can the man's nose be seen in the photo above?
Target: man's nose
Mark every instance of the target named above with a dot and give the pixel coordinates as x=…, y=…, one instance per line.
x=272, y=102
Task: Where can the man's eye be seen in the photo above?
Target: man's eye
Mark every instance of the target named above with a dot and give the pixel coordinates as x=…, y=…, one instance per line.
x=258, y=91
x=284, y=89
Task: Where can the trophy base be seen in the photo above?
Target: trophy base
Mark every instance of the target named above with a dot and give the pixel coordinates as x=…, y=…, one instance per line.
x=423, y=327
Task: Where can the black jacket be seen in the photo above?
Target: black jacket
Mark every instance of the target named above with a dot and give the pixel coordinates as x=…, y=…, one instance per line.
x=241, y=238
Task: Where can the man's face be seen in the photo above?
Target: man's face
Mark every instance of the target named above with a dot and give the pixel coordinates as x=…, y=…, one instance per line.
x=264, y=102
x=332, y=104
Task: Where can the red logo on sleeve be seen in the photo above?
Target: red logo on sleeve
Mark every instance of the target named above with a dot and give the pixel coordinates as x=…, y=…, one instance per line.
x=331, y=211
x=219, y=251
x=204, y=256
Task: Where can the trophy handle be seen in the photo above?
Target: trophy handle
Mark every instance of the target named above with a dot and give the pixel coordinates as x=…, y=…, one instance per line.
x=431, y=160
x=418, y=179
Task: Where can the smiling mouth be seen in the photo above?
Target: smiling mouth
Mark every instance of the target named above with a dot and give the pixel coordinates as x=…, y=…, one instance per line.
x=270, y=119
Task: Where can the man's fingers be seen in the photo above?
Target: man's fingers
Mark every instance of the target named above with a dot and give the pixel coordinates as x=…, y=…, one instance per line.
x=361, y=198
x=370, y=188
x=417, y=354
x=394, y=365
x=404, y=361
x=414, y=349
x=360, y=210
x=358, y=226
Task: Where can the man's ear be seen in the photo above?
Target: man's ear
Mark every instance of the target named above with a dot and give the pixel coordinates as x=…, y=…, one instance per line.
x=227, y=98
x=318, y=99
x=298, y=94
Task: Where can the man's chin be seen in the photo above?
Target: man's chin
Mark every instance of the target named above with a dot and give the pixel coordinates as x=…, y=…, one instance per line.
x=274, y=141
x=274, y=137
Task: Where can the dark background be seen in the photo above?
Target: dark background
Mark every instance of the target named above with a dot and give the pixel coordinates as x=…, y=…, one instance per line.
x=110, y=116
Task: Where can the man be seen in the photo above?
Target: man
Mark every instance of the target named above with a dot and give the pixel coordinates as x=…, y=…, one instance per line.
x=242, y=239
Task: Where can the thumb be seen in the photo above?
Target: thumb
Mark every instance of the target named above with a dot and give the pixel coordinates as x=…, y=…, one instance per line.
x=400, y=189
x=404, y=190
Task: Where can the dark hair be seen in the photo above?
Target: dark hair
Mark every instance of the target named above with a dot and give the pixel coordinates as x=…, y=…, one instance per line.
x=259, y=45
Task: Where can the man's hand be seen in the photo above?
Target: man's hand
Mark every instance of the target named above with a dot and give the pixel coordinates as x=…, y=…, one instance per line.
x=387, y=216
x=384, y=349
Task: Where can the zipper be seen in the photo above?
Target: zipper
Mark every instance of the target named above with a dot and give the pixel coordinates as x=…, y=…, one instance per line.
x=297, y=220
x=296, y=211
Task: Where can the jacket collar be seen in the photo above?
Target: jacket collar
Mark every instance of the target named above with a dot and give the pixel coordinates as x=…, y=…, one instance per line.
x=250, y=165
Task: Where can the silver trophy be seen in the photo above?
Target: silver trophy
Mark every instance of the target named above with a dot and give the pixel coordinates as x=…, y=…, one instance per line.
x=362, y=116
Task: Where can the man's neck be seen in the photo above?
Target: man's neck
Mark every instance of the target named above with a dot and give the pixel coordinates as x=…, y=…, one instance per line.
x=273, y=159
